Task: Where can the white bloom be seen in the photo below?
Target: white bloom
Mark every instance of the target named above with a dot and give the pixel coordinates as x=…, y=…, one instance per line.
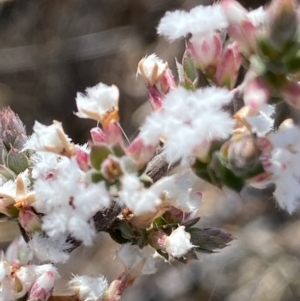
x=262, y=123
x=50, y=249
x=178, y=243
x=50, y=138
x=98, y=101
x=18, y=251
x=132, y=256
x=188, y=122
x=68, y=203
x=180, y=193
x=151, y=68
x=283, y=165
x=200, y=20
x=137, y=198
x=89, y=288
x=45, y=164
x=257, y=16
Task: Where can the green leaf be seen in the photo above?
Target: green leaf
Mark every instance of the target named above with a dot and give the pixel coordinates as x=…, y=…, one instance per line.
x=224, y=174
x=191, y=222
x=190, y=71
x=208, y=240
x=98, y=154
x=200, y=169
x=17, y=161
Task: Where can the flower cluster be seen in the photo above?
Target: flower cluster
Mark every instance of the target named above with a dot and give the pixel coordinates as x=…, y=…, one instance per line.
x=230, y=119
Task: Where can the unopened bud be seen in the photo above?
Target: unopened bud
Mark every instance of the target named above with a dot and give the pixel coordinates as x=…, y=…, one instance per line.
x=155, y=97
x=43, y=287
x=256, y=94
x=228, y=67
x=12, y=130
x=29, y=221
x=117, y=288
x=97, y=135
x=113, y=134
x=111, y=168
x=206, y=50
x=167, y=81
x=140, y=152
x=243, y=154
x=82, y=159
x=240, y=29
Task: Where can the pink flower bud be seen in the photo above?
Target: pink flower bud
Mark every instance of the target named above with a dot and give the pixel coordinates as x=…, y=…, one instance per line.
x=228, y=67
x=291, y=93
x=140, y=152
x=43, y=287
x=206, y=50
x=117, y=288
x=113, y=134
x=97, y=135
x=82, y=159
x=155, y=97
x=240, y=29
x=156, y=239
x=29, y=221
x=167, y=81
x=256, y=94
x=111, y=168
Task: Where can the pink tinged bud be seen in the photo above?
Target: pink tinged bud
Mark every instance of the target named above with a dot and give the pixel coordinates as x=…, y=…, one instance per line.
x=111, y=169
x=256, y=94
x=155, y=97
x=260, y=181
x=140, y=152
x=228, y=67
x=167, y=81
x=156, y=239
x=240, y=29
x=82, y=159
x=291, y=93
x=29, y=221
x=206, y=50
x=264, y=144
x=97, y=135
x=113, y=134
x=43, y=287
x=117, y=288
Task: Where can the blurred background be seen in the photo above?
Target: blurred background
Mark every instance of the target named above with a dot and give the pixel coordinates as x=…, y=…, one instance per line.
x=50, y=50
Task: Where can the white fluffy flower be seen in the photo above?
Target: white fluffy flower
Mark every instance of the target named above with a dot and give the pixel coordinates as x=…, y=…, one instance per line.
x=137, y=198
x=132, y=256
x=151, y=68
x=50, y=249
x=180, y=193
x=257, y=16
x=98, y=101
x=200, y=20
x=50, y=138
x=178, y=243
x=283, y=165
x=188, y=122
x=68, y=203
x=89, y=288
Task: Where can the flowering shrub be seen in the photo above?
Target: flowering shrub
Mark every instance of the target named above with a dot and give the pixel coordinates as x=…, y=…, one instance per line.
x=226, y=119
